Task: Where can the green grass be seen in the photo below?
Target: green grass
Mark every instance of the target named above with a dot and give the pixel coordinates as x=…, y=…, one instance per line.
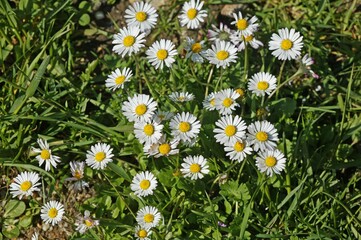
x=54, y=61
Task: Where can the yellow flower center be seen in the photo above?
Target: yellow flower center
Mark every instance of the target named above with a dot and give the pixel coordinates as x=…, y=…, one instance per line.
x=181, y=98
x=184, y=126
x=212, y=102
x=119, y=80
x=196, y=48
x=222, y=55
x=227, y=102
x=25, y=186
x=78, y=174
x=164, y=148
x=99, y=156
x=270, y=161
x=144, y=184
x=148, y=129
x=53, y=212
x=242, y=24
x=128, y=41
x=195, y=168
x=140, y=109
x=162, y=54
x=286, y=44
x=262, y=85
x=230, y=130
x=262, y=136
x=45, y=154
x=192, y=13
x=148, y=218
x=248, y=38
x=142, y=233
x=240, y=91
x=141, y=16
x=88, y=223
x=238, y=146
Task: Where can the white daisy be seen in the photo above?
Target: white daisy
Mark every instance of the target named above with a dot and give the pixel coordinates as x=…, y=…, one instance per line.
x=141, y=107
x=162, y=148
x=181, y=96
x=287, y=44
x=222, y=54
x=194, y=167
x=230, y=129
x=225, y=101
x=25, y=184
x=35, y=236
x=195, y=50
x=161, y=116
x=305, y=64
x=262, y=135
x=128, y=41
x=142, y=15
x=99, y=156
x=271, y=162
x=142, y=233
x=242, y=40
x=117, y=78
x=148, y=217
x=148, y=132
x=184, y=126
x=77, y=170
x=143, y=184
x=45, y=155
x=245, y=26
x=192, y=14
x=52, y=212
x=262, y=83
x=239, y=150
x=209, y=102
x=85, y=222
x=161, y=52
x=223, y=33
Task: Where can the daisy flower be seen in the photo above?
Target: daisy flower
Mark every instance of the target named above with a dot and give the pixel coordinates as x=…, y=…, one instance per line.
x=77, y=171
x=181, y=96
x=230, y=129
x=184, y=126
x=148, y=132
x=142, y=15
x=195, y=50
x=262, y=135
x=148, y=217
x=242, y=40
x=161, y=52
x=209, y=102
x=52, y=212
x=262, y=83
x=25, y=184
x=192, y=14
x=142, y=233
x=238, y=151
x=160, y=116
x=305, y=64
x=143, y=184
x=99, y=156
x=117, y=78
x=245, y=26
x=287, y=44
x=271, y=162
x=222, y=54
x=194, y=167
x=225, y=101
x=85, y=222
x=45, y=155
x=223, y=33
x=128, y=41
x=162, y=148
x=141, y=107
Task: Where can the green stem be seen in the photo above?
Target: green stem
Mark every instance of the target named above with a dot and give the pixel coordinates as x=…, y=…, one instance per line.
x=284, y=83
x=219, y=80
x=279, y=77
x=208, y=81
x=245, y=64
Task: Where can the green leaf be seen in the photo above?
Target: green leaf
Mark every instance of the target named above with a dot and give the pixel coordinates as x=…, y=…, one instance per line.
x=14, y=208
x=11, y=231
x=120, y=171
x=84, y=19
x=36, y=80
x=235, y=192
x=25, y=221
